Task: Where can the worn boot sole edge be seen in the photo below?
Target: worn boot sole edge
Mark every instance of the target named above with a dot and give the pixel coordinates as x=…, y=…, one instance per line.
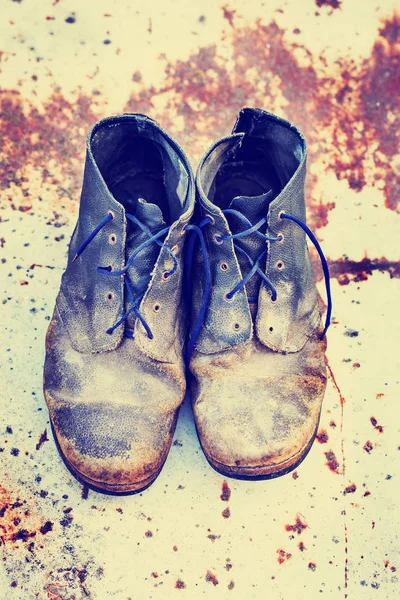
x=262, y=472
x=105, y=488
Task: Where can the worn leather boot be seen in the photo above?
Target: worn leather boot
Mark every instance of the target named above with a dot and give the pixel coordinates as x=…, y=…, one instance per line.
x=257, y=348
x=114, y=374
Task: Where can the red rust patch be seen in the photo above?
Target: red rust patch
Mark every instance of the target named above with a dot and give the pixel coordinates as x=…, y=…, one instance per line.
x=368, y=446
x=335, y=106
x=375, y=425
x=302, y=547
x=349, y=270
x=228, y=14
x=226, y=492
x=40, y=139
x=332, y=3
x=295, y=475
x=180, y=585
x=17, y=523
x=298, y=526
x=322, y=437
x=312, y=566
x=283, y=556
x=43, y=438
x=348, y=111
x=226, y=513
x=211, y=578
x=332, y=461
x=350, y=489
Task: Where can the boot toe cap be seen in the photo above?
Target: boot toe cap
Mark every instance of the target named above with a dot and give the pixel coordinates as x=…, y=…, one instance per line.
x=258, y=428
x=115, y=449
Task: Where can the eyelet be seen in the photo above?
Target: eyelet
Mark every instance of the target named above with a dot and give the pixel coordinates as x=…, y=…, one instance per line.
x=183, y=230
x=112, y=238
x=280, y=265
x=110, y=297
x=165, y=276
x=211, y=218
x=236, y=326
x=231, y=299
x=224, y=266
x=282, y=238
x=281, y=212
x=270, y=329
x=156, y=307
x=218, y=239
x=274, y=301
x=110, y=212
x=174, y=250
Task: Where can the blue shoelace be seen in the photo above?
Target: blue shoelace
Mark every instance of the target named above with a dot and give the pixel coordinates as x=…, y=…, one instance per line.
x=254, y=265
x=132, y=301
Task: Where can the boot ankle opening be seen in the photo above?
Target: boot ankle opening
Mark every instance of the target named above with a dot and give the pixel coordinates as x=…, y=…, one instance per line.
x=137, y=161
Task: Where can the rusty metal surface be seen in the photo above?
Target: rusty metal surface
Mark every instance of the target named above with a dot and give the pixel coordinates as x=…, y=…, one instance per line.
x=331, y=67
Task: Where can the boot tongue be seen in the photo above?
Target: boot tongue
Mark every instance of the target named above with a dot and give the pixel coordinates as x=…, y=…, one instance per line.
x=254, y=208
x=140, y=271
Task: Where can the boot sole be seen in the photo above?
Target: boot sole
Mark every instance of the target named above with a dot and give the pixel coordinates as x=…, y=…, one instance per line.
x=105, y=488
x=262, y=472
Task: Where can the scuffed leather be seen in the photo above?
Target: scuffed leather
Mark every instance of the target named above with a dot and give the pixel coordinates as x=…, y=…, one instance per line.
x=257, y=397
x=113, y=401
x=256, y=408
x=114, y=413
x=296, y=314
x=82, y=301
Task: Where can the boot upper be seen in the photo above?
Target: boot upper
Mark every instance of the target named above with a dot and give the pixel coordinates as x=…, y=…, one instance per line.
x=90, y=302
x=114, y=374
x=283, y=325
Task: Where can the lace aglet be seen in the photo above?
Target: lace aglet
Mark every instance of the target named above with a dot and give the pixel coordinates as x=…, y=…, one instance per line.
x=75, y=257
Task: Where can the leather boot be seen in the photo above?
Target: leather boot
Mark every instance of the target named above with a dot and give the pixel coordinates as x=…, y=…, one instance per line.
x=114, y=375
x=257, y=347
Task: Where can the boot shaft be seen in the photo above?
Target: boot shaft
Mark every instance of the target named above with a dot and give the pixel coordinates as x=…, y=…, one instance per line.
x=90, y=302
x=268, y=150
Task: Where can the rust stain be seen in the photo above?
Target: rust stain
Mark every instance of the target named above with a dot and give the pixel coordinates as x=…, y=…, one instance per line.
x=346, y=560
x=298, y=526
x=283, y=556
x=332, y=461
x=375, y=425
x=368, y=446
x=322, y=437
x=350, y=489
x=226, y=513
x=228, y=14
x=332, y=3
x=346, y=271
x=348, y=111
x=302, y=547
x=211, y=578
x=226, y=492
x=18, y=524
x=180, y=585
x=39, y=139
x=43, y=438
x=312, y=566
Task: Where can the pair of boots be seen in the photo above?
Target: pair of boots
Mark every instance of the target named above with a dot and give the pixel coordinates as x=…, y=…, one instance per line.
x=170, y=278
